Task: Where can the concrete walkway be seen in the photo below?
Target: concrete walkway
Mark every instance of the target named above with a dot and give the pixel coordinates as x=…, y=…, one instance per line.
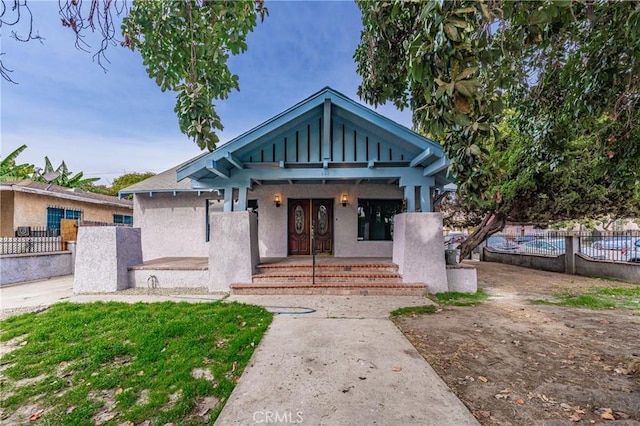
x=343, y=363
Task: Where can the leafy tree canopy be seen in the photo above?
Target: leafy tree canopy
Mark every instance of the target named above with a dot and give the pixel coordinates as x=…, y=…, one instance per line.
x=536, y=103
x=129, y=179
x=10, y=171
x=62, y=176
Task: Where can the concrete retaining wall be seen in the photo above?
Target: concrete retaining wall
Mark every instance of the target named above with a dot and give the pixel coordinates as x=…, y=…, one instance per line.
x=583, y=266
x=28, y=267
x=544, y=263
x=597, y=268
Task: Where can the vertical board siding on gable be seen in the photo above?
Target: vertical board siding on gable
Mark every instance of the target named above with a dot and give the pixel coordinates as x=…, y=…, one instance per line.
x=348, y=143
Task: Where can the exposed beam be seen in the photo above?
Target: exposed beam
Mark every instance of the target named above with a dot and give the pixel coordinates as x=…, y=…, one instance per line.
x=420, y=158
x=435, y=167
x=234, y=160
x=218, y=172
x=257, y=181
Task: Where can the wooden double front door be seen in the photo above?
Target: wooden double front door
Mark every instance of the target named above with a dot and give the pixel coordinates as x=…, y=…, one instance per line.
x=307, y=215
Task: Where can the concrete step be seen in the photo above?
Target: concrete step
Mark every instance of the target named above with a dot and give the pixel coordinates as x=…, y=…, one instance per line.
x=328, y=268
x=323, y=277
x=331, y=288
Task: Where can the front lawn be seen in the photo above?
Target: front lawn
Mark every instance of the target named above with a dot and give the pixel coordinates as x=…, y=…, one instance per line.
x=117, y=363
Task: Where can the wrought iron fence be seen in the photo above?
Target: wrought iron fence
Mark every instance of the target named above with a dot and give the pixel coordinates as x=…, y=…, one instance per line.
x=616, y=246
x=20, y=245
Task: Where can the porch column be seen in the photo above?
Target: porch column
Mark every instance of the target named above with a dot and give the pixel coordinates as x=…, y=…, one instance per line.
x=228, y=199
x=425, y=199
x=242, y=199
x=410, y=196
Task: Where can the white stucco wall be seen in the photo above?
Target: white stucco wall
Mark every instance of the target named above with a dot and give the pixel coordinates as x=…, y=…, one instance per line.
x=272, y=228
x=103, y=257
x=173, y=226
x=418, y=250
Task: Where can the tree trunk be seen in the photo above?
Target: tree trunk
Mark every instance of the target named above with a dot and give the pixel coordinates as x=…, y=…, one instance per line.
x=492, y=223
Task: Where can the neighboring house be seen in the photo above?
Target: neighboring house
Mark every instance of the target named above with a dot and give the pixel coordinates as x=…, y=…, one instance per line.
x=328, y=170
x=26, y=204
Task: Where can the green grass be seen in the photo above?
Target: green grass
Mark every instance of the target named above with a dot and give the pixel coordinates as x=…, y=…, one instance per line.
x=414, y=310
x=453, y=298
x=597, y=298
x=83, y=350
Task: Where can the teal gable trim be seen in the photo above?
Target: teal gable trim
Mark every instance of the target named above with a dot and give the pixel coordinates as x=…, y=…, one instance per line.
x=323, y=132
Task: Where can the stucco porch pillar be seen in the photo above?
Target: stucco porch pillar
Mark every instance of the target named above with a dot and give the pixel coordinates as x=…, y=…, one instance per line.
x=233, y=248
x=418, y=250
x=103, y=257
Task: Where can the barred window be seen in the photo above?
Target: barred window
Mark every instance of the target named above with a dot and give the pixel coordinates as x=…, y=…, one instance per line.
x=123, y=219
x=56, y=214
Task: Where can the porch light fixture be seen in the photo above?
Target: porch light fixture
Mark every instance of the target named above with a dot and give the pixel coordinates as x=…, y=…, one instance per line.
x=276, y=200
x=344, y=200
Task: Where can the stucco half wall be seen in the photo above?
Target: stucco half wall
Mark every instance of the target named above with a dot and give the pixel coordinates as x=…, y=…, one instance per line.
x=418, y=250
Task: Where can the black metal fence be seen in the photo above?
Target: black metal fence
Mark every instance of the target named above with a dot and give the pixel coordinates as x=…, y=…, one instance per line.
x=614, y=246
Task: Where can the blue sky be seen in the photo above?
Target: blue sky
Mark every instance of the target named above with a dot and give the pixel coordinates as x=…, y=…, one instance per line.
x=106, y=124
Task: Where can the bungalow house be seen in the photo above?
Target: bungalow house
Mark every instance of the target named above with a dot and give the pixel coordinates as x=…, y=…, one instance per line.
x=326, y=179
x=27, y=206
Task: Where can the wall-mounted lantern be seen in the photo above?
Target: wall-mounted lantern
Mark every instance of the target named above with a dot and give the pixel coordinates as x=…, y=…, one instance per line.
x=276, y=200
x=344, y=200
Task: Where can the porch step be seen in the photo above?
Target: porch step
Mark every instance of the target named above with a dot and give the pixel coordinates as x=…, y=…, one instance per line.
x=327, y=277
x=359, y=268
x=331, y=288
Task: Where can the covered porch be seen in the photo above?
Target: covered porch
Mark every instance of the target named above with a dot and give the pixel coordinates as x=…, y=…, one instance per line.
x=285, y=275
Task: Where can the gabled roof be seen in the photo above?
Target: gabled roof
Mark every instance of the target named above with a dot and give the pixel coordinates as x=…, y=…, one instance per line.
x=56, y=191
x=325, y=130
x=162, y=182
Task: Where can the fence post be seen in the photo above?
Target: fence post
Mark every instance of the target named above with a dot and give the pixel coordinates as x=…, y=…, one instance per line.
x=572, y=246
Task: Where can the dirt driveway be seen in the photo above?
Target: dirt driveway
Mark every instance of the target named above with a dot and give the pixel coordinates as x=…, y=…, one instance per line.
x=515, y=363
